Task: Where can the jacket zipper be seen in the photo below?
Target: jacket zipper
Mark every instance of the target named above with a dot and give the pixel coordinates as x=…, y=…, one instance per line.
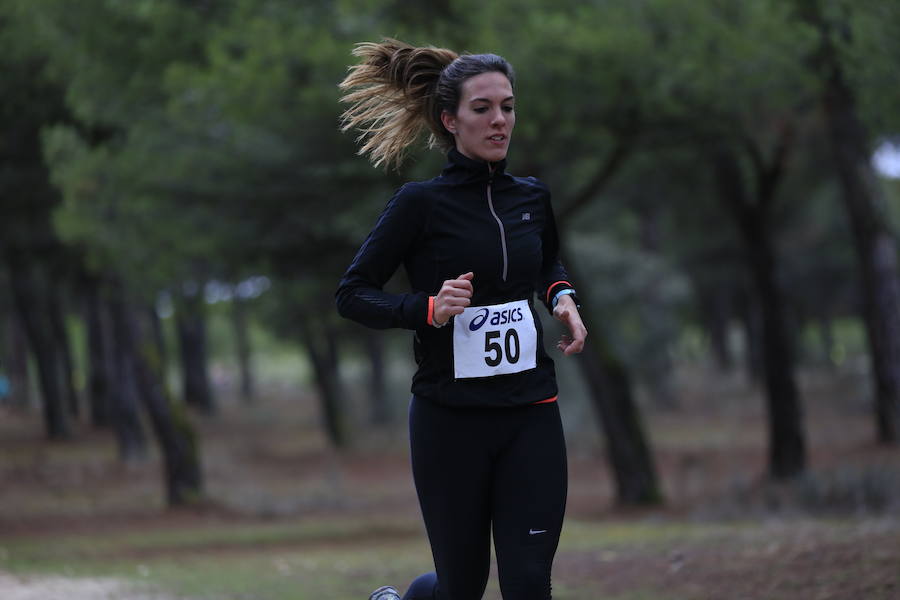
x=499, y=223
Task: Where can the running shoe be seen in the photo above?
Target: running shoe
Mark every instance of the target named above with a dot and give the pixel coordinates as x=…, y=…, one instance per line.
x=385, y=592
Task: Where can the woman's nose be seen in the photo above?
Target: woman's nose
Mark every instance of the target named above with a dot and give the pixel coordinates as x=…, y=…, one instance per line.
x=498, y=118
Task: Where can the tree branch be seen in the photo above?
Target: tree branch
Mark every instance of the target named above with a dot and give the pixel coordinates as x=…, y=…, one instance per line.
x=609, y=168
x=769, y=175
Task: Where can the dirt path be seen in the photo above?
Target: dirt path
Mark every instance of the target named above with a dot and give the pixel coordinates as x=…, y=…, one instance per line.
x=289, y=518
x=28, y=587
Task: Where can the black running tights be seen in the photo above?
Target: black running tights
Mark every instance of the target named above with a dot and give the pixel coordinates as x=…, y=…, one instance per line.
x=479, y=470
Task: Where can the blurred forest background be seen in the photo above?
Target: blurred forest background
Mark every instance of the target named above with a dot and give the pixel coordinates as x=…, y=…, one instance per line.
x=177, y=206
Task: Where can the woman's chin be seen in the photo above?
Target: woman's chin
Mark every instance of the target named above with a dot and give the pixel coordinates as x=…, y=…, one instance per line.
x=494, y=155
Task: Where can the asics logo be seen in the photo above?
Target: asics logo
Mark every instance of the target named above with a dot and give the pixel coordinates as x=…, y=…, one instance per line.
x=501, y=317
x=479, y=320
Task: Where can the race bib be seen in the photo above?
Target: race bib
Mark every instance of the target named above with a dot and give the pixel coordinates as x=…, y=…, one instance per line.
x=494, y=340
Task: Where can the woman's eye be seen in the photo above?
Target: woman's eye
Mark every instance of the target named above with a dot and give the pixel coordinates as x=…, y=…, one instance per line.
x=481, y=109
x=508, y=109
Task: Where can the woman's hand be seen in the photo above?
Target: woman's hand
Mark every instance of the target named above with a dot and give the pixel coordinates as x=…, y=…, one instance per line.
x=567, y=312
x=454, y=297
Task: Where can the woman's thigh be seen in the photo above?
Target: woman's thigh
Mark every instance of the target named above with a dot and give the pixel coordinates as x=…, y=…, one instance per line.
x=452, y=472
x=529, y=500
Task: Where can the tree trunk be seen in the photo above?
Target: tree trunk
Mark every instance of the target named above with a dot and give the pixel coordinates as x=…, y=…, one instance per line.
x=159, y=339
x=30, y=306
x=753, y=335
x=607, y=379
x=242, y=342
x=715, y=300
x=717, y=313
x=100, y=355
x=191, y=325
x=125, y=406
x=124, y=402
x=787, y=449
x=380, y=413
x=56, y=315
x=626, y=446
x=322, y=349
x=174, y=434
x=876, y=249
x=16, y=350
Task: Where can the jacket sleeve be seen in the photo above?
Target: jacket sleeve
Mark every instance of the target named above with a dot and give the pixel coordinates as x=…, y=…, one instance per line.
x=554, y=277
x=360, y=296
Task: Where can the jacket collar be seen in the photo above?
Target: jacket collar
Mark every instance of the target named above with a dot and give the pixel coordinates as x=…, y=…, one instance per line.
x=462, y=169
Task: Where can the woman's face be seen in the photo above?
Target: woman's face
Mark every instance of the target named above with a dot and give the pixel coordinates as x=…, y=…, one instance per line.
x=484, y=119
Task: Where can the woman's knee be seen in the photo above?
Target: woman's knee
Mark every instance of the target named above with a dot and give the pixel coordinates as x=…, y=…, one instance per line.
x=527, y=581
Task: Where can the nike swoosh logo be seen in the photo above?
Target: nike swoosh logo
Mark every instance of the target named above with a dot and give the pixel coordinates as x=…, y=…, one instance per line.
x=536, y=531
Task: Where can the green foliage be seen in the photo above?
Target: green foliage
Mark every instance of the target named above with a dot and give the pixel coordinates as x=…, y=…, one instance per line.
x=866, y=35
x=200, y=140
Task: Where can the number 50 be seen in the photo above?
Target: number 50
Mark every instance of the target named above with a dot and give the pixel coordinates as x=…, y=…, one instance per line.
x=495, y=350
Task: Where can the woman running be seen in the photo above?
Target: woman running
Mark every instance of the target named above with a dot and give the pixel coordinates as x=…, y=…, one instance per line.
x=477, y=243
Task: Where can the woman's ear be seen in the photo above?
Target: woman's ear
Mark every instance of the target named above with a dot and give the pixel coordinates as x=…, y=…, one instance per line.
x=449, y=122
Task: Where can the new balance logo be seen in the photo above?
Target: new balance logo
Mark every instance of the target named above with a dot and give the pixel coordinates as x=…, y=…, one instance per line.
x=526, y=216
x=536, y=531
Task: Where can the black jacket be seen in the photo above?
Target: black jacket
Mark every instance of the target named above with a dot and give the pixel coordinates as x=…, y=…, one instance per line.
x=470, y=218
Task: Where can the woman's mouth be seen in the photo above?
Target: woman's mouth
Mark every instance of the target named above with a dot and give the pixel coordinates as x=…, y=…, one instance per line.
x=498, y=138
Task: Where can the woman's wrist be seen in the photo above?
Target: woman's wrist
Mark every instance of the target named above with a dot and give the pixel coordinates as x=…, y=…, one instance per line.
x=560, y=294
x=431, y=319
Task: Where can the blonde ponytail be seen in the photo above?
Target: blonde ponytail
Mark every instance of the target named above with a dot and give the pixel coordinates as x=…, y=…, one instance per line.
x=392, y=97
